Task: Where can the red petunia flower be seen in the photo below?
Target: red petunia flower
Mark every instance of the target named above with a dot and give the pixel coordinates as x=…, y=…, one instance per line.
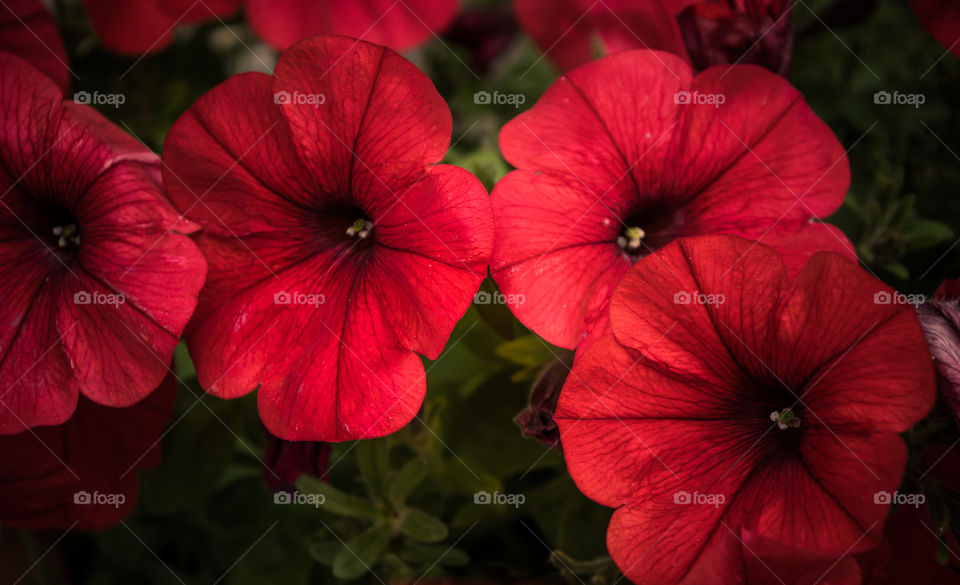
x=755, y=32
x=573, y=32
x=398, y=24
x=625, y=154
x=27, y=29
x=748, y=559
x=337, y=247
x=729, y=397
x=286, y=461
x=705, y=33
x=136, y=27
x=942, y=19
x=99, y=281
x=83, y=471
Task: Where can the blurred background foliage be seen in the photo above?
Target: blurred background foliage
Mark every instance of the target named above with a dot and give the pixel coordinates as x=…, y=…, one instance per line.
x=404, y=504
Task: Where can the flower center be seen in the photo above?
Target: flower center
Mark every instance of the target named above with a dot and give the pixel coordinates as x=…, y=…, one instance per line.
x=630, y=239
x=360, y=228
x=68, y=236
x=785, y=419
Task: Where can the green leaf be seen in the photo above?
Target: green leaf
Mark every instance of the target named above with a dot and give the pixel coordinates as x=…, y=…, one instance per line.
x=421, y=526
x=441, y=554
x=373, y=459
x=196, y=454
x=407, y=479
x=527, y=350
x=337, y=502
x=924, y=233
x=324, y=551
x=360, y=554
x=897, y=269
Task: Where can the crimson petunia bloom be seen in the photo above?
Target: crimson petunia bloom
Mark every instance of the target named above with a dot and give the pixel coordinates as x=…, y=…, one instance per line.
x=99, y=280
x=570, y=32
x=755, y=32
x=135, y=27
x=55, y=477
x=398, y=24
x=942, y=19
x=337, y=248
x=625, y=154
x=27, y=29
x=728, y=397
x=705, y=33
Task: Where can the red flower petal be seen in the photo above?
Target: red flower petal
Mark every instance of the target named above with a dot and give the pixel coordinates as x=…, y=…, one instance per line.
x=751, y=559
x=608, y=147
x=146, y=26
x=28, y=30
x=568, y=31
x=68, y=168
x=340, y=364
x=710, y=337
x=398, y=25
x=942, y=19
x=98, y=450
x=379, y=125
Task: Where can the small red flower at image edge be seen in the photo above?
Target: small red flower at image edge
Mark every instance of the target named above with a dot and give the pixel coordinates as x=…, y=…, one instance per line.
x=100, y=278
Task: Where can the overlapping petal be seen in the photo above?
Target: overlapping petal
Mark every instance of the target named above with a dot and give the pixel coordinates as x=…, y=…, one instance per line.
x=668, y=417
x=634, y=140
x=100, y=311
x=324, y=322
